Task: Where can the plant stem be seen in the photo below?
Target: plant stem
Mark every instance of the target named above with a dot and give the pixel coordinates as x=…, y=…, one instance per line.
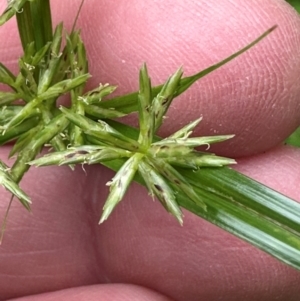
x=24, y=20
x=35, y=23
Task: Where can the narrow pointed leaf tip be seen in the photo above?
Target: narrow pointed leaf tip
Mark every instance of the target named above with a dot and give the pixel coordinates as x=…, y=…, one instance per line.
x=190, y=80
x=128, y=103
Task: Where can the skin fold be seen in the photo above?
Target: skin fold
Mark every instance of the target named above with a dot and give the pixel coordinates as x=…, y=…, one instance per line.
x=58, y=252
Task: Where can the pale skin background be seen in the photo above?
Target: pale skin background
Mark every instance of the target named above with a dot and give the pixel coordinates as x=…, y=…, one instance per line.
x=59, y=249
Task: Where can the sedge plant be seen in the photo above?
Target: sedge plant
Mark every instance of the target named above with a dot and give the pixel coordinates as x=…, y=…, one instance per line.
x=54, y=63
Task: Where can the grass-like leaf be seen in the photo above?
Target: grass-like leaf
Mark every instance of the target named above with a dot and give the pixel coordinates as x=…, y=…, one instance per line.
x=294, y=138
x=295, y=4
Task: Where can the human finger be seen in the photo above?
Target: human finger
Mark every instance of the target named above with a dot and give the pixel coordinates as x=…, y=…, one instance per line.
x=106, y=292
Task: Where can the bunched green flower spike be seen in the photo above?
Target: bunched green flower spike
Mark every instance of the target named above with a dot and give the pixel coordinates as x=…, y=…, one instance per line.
x=120, y=184
x=85, y=154
x=158, y=186
x=9, y=184
x=152, y=160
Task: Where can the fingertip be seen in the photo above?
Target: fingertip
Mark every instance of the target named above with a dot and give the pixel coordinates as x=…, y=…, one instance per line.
x=104, y=292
